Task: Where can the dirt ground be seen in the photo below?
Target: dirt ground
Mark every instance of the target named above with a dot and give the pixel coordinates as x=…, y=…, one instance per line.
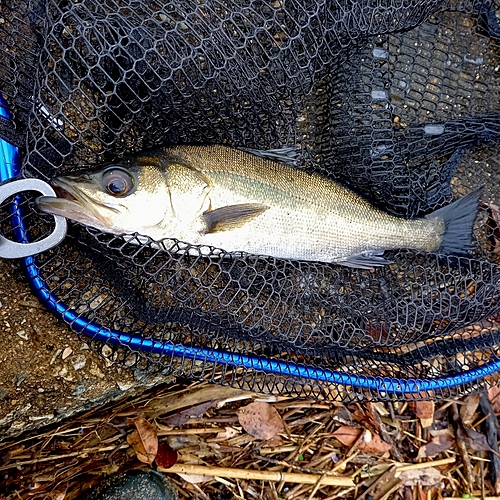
x=46, y=372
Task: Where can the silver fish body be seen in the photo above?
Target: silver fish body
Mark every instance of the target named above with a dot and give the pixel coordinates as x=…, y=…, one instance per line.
x=220, y=197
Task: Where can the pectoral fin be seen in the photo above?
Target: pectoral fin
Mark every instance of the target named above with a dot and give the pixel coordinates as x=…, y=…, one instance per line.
x=232, y=216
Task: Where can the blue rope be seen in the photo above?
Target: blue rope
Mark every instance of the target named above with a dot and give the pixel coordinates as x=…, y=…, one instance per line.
x=10, y=169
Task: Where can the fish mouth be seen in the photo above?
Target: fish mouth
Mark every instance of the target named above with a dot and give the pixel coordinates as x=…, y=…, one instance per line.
x=63, y=193
x=73, y=204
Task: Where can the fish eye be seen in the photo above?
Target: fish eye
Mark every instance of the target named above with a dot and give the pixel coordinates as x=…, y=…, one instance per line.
x=118, y=181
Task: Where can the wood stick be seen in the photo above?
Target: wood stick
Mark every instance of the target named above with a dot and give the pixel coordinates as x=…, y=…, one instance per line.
x=402, y=467
x=289, y=477
x=424, y=465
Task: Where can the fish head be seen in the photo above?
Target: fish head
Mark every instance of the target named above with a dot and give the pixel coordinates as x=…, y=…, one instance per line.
x=118, y=199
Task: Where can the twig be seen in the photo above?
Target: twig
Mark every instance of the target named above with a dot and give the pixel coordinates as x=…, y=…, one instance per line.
x=50, y=458
x=462, y=449
x=404, y=467
x=386, y=483
x=306, y=470
x=384, y=434
x=316, y=486
x=290, y=477
x=424, y=465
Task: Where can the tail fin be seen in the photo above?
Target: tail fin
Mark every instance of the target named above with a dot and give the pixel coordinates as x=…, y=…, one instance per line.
x=459, y=218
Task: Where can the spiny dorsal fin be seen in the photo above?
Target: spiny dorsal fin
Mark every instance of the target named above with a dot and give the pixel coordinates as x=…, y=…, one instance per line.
x=232, y=216
x=289, y=155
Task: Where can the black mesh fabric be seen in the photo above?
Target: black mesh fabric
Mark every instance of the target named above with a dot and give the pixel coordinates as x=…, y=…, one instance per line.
x=399, y=100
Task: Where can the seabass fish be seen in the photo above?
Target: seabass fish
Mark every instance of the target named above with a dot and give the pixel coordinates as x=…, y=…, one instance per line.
x=240, y=202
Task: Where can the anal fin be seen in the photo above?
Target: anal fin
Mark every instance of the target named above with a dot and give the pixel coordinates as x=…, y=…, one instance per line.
x=232, y=216
x=365, y=260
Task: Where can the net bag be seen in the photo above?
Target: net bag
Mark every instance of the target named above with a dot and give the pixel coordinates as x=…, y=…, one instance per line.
x=400, y=100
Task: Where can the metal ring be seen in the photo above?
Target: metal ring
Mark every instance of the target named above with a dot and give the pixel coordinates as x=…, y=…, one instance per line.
x=12, y=250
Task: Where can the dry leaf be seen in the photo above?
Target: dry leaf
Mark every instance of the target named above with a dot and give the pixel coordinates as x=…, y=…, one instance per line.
x=181, y=417
x=425, y=477
x=228, y=433
x=375, y=445
x=468, y=410
x=494, y=397
x=365, y=416
x=260, y=420
x=166, y=456
x=473, y=439
x=437, y=445
x=274, y=441
x=144, y=440
x=195, y=478
x=195, y=396
x=348, y=436
x=424, y=411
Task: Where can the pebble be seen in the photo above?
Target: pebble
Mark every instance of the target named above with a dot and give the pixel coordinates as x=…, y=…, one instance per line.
x=23, y=334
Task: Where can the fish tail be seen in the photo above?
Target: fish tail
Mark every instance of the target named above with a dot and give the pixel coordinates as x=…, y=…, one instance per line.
x=459, y=218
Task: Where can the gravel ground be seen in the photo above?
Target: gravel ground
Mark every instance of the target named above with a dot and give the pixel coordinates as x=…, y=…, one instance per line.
x=46, y=372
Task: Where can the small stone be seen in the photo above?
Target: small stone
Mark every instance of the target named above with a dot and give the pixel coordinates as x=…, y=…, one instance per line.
x=79, y=389
x=19, y=378
x=95, y=370
x=124, y=386
x=42, y=417
x=63, y=373
x=106, y=351
x=79, y=362
x=22, y=334
x=59, y=351
x=67, y=352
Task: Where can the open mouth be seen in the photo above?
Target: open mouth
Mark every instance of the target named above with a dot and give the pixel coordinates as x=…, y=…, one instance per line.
x=62, y=193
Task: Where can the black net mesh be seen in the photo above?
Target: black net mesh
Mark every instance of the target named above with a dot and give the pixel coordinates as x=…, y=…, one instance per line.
x=398, y=99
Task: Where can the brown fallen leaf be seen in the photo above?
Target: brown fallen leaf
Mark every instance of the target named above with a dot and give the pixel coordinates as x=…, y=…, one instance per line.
x=349, y=435
x=424, y=411
x=468, y=410
x=183, y=416
x=166, y=456
x=144, y=440
x=261, y=420
x=494, y=397
x=194, y=478
x=424, y=477
x=437, y=445
x=216, y=394
x=473, y=439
